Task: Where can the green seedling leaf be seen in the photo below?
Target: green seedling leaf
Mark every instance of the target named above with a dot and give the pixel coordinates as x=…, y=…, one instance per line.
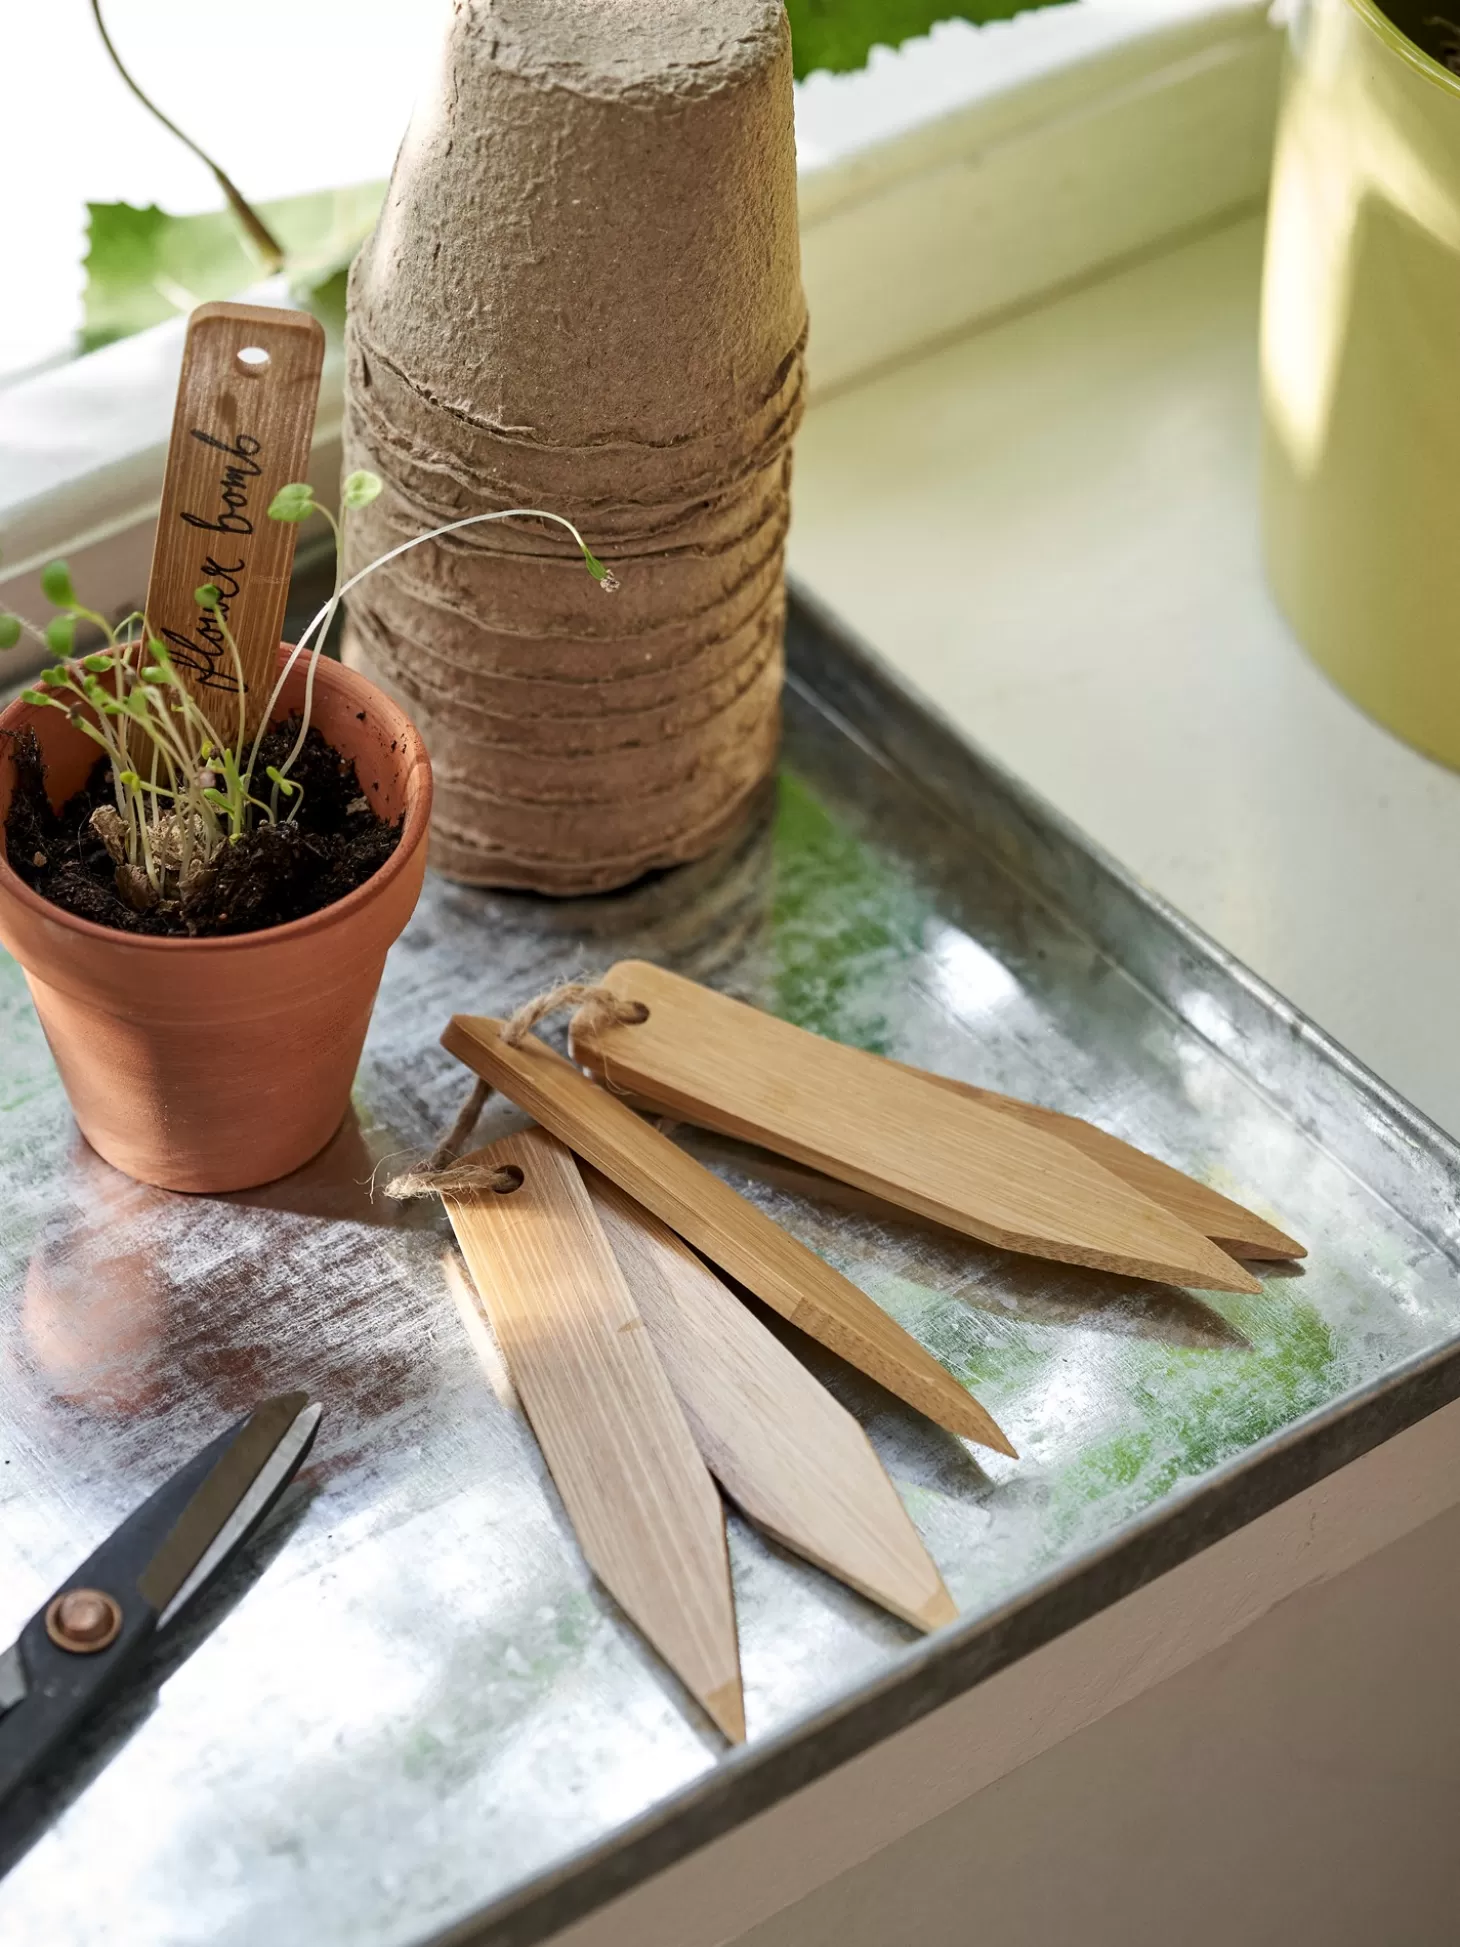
x=61, y=634
x=154, y=673
x=360, y=489
x=37, y=697
x=98, y=665
x=56, y=585
x=292, y=503
x=130, y=781
x=604, y=576
x=9, y=631
x=208, y=596
x=277, y=778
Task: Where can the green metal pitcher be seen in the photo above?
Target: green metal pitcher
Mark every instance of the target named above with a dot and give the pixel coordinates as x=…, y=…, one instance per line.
x=1361, y=359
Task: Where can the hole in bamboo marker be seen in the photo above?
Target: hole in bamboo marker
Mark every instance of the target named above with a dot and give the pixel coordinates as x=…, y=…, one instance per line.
x=507, y=1178
x=253, y=358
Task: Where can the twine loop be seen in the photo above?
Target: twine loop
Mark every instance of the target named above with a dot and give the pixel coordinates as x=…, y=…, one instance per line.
x=442, y=1174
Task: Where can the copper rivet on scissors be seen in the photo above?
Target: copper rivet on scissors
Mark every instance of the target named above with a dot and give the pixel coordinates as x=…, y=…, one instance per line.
x=84, y=1620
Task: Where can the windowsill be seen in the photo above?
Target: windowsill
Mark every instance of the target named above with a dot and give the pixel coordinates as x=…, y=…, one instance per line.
x=1034, y=139
x=1052, y=530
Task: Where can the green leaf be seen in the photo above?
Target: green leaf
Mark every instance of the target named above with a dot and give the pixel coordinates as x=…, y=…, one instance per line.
x=143, y=266
x=60, y=634
x=208, y=595
x=277, y=778
x=98, y=665
x=360, y=489
x=33, y=696
x=840, y=34
x=56, y=585
x=9, y=631
x=327, y=301
x=294, y=502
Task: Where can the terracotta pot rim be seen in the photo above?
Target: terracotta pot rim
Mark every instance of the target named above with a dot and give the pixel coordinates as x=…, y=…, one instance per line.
x=329, y=674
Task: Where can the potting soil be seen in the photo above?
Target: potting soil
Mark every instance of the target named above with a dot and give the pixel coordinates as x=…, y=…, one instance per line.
x=271, y=875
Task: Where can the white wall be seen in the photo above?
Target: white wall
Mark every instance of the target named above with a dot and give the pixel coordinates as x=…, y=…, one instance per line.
x=1301, y=1784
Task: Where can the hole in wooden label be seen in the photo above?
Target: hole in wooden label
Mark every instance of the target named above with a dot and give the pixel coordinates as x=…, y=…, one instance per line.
x=639, y=1015
x=253, y=358
x=509, y=1178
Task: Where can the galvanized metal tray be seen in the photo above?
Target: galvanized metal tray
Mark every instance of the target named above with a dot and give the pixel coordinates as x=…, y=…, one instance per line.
x=425, y=1722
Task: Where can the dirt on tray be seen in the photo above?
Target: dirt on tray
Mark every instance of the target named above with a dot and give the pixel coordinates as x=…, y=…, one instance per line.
x=273, y=874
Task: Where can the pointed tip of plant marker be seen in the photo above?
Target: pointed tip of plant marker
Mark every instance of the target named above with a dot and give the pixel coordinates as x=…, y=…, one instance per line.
x=727, y=1706
x=1215, y=1271
x=940, y=1608
x=980, y=1426
x=1275, y=1248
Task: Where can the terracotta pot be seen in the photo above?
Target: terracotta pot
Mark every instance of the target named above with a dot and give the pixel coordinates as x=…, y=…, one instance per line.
x=219, y=1064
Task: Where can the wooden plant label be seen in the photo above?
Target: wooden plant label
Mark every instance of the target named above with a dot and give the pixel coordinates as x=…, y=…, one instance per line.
x=891, y=1131
x=1229, y=1225
x=708, y=1214
x=643, y=1507
x=776, y=1440
x=242, y=428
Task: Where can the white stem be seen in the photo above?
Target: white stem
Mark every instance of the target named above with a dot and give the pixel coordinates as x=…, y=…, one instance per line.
x=326, y=615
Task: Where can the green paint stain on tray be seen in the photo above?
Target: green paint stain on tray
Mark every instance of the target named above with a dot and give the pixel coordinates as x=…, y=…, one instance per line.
x=28, y=1073
x=1199, y=1408
x=841, y=919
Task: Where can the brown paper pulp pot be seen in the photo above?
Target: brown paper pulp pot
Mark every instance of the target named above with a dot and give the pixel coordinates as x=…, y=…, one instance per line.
x=218, y=1064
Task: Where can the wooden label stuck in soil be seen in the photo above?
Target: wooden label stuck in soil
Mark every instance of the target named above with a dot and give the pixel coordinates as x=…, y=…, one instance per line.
x=242, y=429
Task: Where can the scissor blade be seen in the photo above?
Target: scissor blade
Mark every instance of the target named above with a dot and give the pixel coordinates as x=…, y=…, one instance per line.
x=13, y=1685
x=268, y=1484
x=213, y=1504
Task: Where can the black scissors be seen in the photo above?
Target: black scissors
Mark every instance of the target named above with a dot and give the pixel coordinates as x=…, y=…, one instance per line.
x=80, y=1648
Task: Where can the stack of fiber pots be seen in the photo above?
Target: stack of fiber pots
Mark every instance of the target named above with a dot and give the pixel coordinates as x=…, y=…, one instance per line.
x=583, y=295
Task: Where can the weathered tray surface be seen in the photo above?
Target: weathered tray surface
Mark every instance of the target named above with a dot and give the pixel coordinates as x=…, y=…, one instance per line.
x=425, y=1711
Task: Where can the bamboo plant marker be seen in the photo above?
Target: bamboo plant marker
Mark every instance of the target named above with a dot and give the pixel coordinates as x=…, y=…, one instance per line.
x=730, y=1067
x=708, y=1214
x=644, y=1509
x=1229, y=1225
x=241, y=429
x=775, y=1439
